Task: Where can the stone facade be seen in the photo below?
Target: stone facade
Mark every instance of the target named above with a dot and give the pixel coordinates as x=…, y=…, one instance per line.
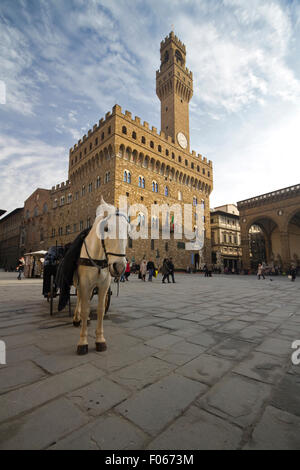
x=278, y=216
x=226, y=238
x=10, y=239
x=36, y=221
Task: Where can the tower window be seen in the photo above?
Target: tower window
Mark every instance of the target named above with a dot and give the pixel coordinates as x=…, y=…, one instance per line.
x=167, y=152
x=152, y=144
x=203, y=171
x=124, y=130
x=154, y=187
x=167, y=108
x=166, y=191
x=102, y=136
x=109, y=130
x=208, y=173
x=198, y=168
x=91, y=146
x=127, y=177
x=134, y=135
x=96, y=141
x=159, y=148
x=98, y=182
x=186, y=163
x=179, y=159
x=192, y=165
x=143, y=140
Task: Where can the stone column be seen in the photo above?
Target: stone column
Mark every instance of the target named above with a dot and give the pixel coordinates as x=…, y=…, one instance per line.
x=285, y=249
x=245, y=251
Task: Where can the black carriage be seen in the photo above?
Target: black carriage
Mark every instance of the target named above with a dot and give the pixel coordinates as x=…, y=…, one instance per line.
x=50, y=289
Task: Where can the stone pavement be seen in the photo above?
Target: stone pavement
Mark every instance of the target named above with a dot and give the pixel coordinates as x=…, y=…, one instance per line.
x=201, y=364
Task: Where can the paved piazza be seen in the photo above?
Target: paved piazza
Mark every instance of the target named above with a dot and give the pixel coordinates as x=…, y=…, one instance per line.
x=201, y=364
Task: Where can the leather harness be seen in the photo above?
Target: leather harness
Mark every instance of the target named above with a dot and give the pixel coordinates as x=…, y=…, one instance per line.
x=100, y=263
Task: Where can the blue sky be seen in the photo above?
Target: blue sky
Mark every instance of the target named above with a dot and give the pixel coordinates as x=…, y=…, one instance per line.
x=65, y=63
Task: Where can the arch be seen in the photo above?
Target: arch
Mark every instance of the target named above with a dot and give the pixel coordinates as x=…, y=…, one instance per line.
x=128, y=153
x=157, y=166
x=176, y=176
x=146, y=161
x=122, y=151
x=162, y=169
x=152, y=164
x=172, y=173
x=141, y=159
x=134, y=156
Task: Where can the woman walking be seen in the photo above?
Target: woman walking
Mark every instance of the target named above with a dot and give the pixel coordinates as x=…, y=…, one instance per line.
x=143, y=270
x=260, y=271
x=165, y=271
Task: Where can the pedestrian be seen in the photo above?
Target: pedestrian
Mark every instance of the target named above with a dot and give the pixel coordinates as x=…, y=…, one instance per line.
x=171, y=269
x=165, y=271
x=127, y=271
x=143, y=270
x=205, y=268
x=20, y=268
x=260, y=271
x=151, y=270
x=293, y=273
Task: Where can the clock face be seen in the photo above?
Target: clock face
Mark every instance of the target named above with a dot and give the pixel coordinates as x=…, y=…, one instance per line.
x=182, y=140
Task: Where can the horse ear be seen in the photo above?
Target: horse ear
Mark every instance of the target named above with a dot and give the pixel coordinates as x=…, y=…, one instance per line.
x=102, y=200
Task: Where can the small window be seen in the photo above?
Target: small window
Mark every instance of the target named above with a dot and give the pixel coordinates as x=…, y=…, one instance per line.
x=167, y=152
x=124, y=130
x=198, y=168
x=152, y=144
x=62, y=200
x=96, y=141
x=208, y=173
x=159, y=148
x=143, y=140
x=192, y=165
x=69, y=198
x=98, y=182
x=134, y=135
x=179, y=159
x=85, y=151
x=91, y=146
x=203, y=171
x=45, y=208
x=195, y=202
x=83, y=190
x=154, y=187
x=68, y=229
x=90, y=187
x=102, y=136
x=173, y=156
x=109, y=130
x=88, y=222
x=166, y=191
x=186, y=163
x=127, y=177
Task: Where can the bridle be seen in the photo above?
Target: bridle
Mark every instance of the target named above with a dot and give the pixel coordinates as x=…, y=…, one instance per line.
x=102, y=263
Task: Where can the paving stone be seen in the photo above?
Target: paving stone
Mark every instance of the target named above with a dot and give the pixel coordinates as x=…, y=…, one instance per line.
x=98, y=397
x=180, y=353
x=42, y=427
x=163, y=341
x=262, y=367
x=61, y=361
x=205, y=368
x=236, y=398
x=38, y=393
x=18, y=375
x=142, y=373
x=159, y=404
x=286, y=395
x=197, y=429
x=24, y=353
x=232, y=348
x=108, y=432
x=114, y=360
x=206, y=339
x=275, y=346
x=277, y=430
x=253, y=333
x=148, y=332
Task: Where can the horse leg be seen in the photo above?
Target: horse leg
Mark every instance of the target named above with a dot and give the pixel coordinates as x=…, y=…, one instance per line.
x=100, y=340
x=82, y=347
x=76, y=318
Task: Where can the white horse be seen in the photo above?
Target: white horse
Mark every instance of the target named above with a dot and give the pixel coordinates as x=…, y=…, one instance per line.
x=102, y=255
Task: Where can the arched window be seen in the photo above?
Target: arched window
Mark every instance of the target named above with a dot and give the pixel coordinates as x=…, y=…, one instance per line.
x=45, y=208
x=143, y=140
x=166, y=191
x=159, y=148
x=154, y=187
x=69, y=198
x=62, y=200
x=55, y=203
x=152, y=144
x=127, y=177
x=195, y=202
x=134, y=135
x=143, y=183
x=98, y=182
x=124, y=130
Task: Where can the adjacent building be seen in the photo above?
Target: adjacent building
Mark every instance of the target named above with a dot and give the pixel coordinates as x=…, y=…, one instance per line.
x=10, y=233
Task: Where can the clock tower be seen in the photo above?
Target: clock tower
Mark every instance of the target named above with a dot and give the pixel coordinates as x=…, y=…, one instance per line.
x=174, y=88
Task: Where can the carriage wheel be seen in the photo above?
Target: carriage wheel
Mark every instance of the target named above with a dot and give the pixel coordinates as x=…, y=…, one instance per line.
x=107, y=300
x=51, y=293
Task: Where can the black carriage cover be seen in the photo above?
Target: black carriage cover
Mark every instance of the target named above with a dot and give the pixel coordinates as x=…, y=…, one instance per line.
x=67, y=267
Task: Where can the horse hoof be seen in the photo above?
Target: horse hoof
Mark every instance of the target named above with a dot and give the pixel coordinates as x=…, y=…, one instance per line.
x=76, y=323
x=82, y=349
x=101, y=347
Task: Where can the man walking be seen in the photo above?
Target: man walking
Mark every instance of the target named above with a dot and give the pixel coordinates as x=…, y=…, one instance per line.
x=171, y=269
x=150, y=269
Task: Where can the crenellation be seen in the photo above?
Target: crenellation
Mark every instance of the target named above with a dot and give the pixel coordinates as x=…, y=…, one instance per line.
x=128, y=114
x=107, y=115
x=84, y=138
x=154, y=130
x=95, y=127
x=146, y=125
x=89, y=132
x=101, y=122
x=194, y=153
x=137, y=120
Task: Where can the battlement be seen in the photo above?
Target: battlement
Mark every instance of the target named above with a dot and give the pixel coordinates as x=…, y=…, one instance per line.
x=127, y=115
x=60, y=187
x=175, y=39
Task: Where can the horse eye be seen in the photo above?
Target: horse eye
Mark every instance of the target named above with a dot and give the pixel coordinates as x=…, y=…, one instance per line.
x=106, y=229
